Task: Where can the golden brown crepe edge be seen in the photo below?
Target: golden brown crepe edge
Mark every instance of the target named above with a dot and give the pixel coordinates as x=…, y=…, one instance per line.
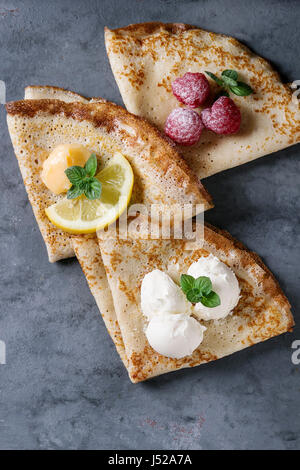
x=145, y=365
x=107, y=114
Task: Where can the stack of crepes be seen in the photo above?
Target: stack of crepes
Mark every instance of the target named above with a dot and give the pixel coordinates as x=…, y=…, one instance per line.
x=49, y=116
x=115, y=267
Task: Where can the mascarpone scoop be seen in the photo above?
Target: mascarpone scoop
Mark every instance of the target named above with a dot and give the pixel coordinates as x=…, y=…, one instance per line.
x=224, y=283
x=170, y=331
x=160, y=295
x=174, y=336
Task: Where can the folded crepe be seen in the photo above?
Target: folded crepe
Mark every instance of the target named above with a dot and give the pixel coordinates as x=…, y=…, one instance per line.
x=262, y=312
x=44, y=92
x=86, y=248
x=146, y=58
x=38, y=125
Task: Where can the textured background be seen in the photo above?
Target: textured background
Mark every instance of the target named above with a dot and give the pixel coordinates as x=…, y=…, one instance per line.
x=63, y=385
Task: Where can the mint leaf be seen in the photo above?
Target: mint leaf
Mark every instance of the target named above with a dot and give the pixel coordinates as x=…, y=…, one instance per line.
x=215, y=78
x=75, y=174
x=203, y=284
x=83, y=181
x=74, y=191
x=92, y=188
x=242, y=89
x=229, y=73
x=199, y=290
x=229, y=81
x=91, y=165
x=194, y=296
x=186, y=283
x=211, y=300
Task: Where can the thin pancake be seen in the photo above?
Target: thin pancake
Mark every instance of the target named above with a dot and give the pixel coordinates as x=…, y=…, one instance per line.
x=86, y=249
x=262, y=312
x=37, y=126
x=63, y=247
x=45, y=92
x=146, y=58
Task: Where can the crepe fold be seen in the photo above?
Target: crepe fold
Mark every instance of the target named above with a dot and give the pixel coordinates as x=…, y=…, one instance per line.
x=84, y=247
x=38, y=125
x=262, y=312
x=114, y=269
x=146, y=58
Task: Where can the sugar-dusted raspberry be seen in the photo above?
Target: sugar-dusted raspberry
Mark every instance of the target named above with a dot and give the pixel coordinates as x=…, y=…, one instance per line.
x=191, y=89
x=224, y=117
x=184, y=126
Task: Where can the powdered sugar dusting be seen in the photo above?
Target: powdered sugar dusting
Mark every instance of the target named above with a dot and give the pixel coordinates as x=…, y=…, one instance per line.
x=184, y=126
x=224, y=117
x=192, y=89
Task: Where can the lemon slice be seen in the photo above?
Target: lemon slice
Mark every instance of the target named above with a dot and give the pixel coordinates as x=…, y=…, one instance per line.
x=82, y=215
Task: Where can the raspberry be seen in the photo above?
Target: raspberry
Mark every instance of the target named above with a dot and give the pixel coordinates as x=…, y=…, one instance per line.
x=224, y=117
x=184, y=126
x=192, y=89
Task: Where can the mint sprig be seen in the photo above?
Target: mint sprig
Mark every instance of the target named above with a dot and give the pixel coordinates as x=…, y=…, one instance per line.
x=199, y=290
x=229, y=81
x=83, y=180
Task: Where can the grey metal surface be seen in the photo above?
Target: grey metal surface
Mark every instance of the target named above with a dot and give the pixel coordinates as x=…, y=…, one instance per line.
x=64, y=386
